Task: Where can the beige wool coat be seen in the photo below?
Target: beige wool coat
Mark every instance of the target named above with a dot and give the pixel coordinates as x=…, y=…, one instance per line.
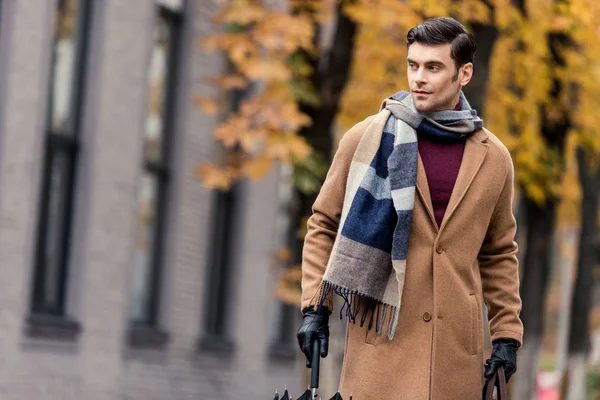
x=437, y=351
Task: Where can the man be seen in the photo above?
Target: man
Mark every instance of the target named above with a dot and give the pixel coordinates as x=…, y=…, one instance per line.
x=414, y=228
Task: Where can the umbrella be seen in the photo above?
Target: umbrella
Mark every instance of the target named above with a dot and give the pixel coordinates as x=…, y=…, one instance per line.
x=286, y=395
x=314, y=371
x=307, y=395
x=311, y=392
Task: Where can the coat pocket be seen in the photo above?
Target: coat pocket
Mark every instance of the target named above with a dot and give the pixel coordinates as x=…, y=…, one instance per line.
x=474, y=325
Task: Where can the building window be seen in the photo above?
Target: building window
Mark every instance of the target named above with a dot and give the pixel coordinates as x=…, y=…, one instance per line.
x=220, y=266
x=72, y=23
x=152, y=198
x=221, y=250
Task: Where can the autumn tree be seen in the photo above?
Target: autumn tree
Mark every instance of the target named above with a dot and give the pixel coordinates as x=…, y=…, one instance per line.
x=263, y=46
x=538, y=90
x=585, y=75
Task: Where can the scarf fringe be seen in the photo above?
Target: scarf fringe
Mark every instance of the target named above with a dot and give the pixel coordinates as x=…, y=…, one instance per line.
x=359, y=306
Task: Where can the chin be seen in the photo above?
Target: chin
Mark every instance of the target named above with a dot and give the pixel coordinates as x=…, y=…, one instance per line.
x=422, y=107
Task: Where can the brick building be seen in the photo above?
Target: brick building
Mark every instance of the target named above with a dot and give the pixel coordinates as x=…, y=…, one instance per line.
x=121, y=276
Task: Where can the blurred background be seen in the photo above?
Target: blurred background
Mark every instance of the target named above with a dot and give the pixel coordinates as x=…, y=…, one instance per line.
x=159, y=159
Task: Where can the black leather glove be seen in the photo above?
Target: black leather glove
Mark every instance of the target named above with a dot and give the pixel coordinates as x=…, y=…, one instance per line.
x=315, y=326
x=504, y=355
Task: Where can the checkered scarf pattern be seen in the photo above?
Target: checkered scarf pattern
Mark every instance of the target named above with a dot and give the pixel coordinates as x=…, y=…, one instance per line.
x=367, y=265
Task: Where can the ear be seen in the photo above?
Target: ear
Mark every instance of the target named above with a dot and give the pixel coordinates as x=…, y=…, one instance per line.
x=465, y=74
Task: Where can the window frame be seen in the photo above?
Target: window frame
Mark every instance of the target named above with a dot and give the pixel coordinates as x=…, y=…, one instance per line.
x=160, y=171
x=226, y=217
x=57, y=144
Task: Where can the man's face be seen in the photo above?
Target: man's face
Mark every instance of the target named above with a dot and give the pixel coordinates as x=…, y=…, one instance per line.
x=434, y=82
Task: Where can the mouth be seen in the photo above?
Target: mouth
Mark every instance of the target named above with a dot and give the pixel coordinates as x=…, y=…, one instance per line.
x=421, y=92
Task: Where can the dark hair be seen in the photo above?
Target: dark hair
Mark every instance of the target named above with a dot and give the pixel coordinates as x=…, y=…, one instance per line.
x=445, y=30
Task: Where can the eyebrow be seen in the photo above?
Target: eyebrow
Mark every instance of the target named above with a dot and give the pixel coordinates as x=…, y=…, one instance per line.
x=430, y=62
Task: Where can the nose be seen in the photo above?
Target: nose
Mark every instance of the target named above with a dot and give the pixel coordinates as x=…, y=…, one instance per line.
x=420, y=77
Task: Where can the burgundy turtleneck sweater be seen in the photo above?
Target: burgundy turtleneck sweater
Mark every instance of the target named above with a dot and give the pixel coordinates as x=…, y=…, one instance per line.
x=441, y=162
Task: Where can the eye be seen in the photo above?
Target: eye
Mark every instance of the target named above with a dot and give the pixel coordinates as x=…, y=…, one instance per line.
x=412, y=65
x=434, y=68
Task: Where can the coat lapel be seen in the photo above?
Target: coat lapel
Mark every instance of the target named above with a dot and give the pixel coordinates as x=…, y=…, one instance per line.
x=475, y=151
x=423, y=190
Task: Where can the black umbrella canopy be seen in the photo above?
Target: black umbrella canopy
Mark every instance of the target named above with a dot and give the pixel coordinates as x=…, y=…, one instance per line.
x=276, y=395
x=286, y=395
x=338, y=396
x=306, y=395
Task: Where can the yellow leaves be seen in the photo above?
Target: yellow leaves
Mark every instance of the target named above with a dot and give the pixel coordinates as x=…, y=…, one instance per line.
x=287, y=147
x=267, y=69
x=257, y=167
x=263, y=45
x=280, y=115
x=242, y=12
x=292, y=118
x=570, y=191
x=227, y=82
x=215, y=177
x=251, y=139
x=208, y=105
x=284, y=255
x=472, y=11
x=522, y=76
x=289, y=277
x=226, y=41
x=229, y=132
x=288, y=290
x=284, y=32
x=561, y=23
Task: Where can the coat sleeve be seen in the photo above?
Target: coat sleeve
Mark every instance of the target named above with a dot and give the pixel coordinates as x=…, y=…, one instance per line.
x=499, y=266
x=326, y=213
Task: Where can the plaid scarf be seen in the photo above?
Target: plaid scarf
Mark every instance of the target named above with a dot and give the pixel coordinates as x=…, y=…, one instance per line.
x=367, y=265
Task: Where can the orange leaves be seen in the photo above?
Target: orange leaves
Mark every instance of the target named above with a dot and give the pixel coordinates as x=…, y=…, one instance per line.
x=267, y=69
x=215, y=177
x=227, y=82
x=242, y=12
x=208, y=105
x=261, y=41
x=256, y=168
x=284, y=32
x=473, y=11
x=264, y=46
x=287, y=147
x=289, y=278
x=230, y=131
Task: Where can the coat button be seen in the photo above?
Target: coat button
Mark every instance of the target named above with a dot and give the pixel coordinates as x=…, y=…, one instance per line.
x=427, y=317
x=439, y=249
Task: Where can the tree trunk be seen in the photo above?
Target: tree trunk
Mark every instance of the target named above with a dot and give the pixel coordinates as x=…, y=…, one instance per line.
x=486, y=36
x=534, y=284
x=579, y=334
x=567, y=239
x=540, y=230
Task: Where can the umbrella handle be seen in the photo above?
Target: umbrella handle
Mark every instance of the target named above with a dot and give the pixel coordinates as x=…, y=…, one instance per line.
x=316, y=358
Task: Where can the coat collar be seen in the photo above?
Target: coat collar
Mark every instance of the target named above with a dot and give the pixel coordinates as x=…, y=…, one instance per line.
x=475, y=150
